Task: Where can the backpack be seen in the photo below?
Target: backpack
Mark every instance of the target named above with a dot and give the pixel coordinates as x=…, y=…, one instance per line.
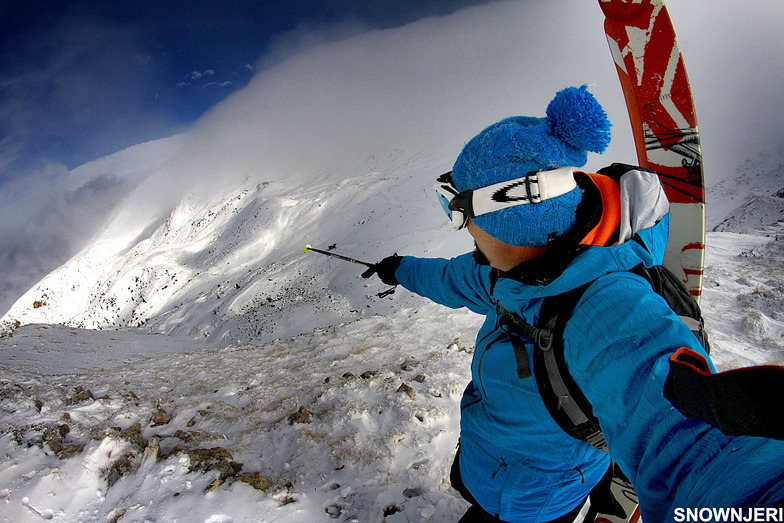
x=739, y=402
x=561, y=395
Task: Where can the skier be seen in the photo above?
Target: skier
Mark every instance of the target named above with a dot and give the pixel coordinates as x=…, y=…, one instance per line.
x=542, y=228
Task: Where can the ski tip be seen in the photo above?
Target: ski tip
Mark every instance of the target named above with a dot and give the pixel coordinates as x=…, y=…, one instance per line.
x=307, y=248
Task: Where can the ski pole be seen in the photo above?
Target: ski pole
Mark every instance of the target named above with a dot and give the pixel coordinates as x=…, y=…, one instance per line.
x=372, y=266
x=308, y=248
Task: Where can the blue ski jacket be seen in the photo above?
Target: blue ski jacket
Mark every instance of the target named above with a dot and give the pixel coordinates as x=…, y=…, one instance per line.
x=517, y=462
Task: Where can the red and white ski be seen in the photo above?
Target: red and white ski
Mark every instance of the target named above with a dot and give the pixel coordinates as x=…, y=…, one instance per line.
x=658, y=97
x=661, y=109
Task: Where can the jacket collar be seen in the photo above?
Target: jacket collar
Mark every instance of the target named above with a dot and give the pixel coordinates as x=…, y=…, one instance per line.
x=561, y=251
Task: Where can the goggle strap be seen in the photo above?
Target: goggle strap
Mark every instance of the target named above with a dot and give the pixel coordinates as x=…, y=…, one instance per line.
x=472, y=203
x=555, y=183
x=463, y=202
x=549, y=184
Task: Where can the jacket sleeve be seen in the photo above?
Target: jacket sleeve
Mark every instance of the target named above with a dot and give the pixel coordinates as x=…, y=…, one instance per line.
x=622, y=336
x=455, y=283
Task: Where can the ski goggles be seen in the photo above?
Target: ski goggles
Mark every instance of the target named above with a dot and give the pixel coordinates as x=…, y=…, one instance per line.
x=535, y=187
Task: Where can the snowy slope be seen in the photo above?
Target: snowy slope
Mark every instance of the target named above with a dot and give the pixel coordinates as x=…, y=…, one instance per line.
x=132, y=165
x=337, y=145
x=752, y=198
x=367, y=440
x=233, y=268
x=381, y=395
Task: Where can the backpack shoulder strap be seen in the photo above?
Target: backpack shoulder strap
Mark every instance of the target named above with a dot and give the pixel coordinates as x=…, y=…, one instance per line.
x=677, y=295
x=563, y=398
x=561, y=395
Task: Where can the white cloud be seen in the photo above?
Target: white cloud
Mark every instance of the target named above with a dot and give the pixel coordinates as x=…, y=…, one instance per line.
x=42, y=221
x=196, y=75
x=326, y=97
x=307, y=36
x=82, y=92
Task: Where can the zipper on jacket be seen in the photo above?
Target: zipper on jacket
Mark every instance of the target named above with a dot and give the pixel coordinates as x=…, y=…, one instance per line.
x=479, y=368
x=487, y=348
x=502, y=464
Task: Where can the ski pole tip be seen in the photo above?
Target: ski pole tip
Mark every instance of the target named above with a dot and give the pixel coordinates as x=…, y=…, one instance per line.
x=307, y=248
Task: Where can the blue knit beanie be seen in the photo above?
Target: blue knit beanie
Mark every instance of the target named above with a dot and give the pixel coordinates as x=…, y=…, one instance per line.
x=511, y=148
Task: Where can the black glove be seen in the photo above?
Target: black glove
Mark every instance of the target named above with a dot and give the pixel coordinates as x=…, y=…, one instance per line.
x=385, y=269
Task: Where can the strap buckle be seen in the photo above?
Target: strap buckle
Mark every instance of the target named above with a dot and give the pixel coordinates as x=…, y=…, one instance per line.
x=544, y=339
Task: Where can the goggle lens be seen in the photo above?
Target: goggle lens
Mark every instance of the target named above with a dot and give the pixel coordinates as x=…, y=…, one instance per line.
x=444, y=204
x=446, y=191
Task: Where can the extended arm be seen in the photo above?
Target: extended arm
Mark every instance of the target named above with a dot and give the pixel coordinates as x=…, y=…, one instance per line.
x=455, y=283
x=622, y=337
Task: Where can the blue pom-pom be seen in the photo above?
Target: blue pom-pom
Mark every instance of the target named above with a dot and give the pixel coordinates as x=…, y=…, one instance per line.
x=576, y=118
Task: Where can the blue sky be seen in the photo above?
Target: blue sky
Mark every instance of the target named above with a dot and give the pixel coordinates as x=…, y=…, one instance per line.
x=82, y=79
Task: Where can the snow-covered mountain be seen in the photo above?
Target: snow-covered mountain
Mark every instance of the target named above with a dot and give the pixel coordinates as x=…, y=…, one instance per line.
x=353, y=422
x=221, y=357
x=753, y=197
x=336, y=146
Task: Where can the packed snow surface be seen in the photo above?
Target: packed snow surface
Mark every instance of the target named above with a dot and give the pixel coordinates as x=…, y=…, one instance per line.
x=381, y=396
